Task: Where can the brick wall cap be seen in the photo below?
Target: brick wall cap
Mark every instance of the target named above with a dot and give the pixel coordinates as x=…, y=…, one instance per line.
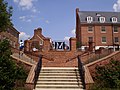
x=73, y=38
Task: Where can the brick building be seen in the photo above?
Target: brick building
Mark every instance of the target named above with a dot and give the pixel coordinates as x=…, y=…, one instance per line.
x=97, y=29
x=12, y=35
x=36, y=43
x=40, y=43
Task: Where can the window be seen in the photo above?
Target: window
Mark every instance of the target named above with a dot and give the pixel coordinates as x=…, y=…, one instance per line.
x=41, y=42
x=114, y=19
x=102, y=19
x=90, y=39
x=116, y=40
x=89, y=19
x=103, y=39
x=115, y=29
x=103, y=30
x=90, y=29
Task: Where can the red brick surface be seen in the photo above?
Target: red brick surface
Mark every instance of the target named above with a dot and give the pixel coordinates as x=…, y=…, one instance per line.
x=82, y=33
x=103, y=61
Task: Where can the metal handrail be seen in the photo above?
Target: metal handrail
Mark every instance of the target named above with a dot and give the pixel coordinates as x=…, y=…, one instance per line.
x=37, y=70
x=80, y=68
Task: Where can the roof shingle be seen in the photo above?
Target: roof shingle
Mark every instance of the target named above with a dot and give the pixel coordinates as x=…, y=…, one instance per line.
x=96, y=14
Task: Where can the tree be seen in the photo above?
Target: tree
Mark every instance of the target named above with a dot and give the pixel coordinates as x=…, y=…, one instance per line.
x=9, y=71
x=108, y=76
x=5, y=16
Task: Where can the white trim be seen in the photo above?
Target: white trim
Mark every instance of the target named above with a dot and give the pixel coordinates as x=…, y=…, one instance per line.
x=114, y=29
x=89, y=19
x=97, y=47
x=40, y=39
x=83, y=48
x=114, y=20
x=102, y=40
x=102, y=19
x=102, y=29
x=115, y=32
x=90, y=29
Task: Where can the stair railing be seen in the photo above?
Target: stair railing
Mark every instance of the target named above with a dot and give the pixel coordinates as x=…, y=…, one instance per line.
x=81, y=71
x=37, y=70
x=80, y=68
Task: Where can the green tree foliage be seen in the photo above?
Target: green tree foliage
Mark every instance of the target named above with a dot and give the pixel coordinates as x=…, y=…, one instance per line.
x=5, y=15
x=108, y=76
x=9, y=71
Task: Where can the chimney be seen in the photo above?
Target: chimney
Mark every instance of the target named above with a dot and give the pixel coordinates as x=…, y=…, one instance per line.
x=72, y=41
x=77, y=10
x=38, y=31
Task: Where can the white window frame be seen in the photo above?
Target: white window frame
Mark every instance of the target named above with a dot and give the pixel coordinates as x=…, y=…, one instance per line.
x=102, y=19
x=114, y=19
x=89, y=19
x=90, y=31
x=104, y=42
x=102, y=29
x=115, y=39
x=114, y=29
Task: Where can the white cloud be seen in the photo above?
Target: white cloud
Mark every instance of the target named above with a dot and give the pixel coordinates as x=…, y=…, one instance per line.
x=73, y=32
x=47, y=21
x=34, y=10
x=32, y=16
x=22, y=18
x=116, y=6
x=29, y=20
x=26, y=18
x=23, y=36
x=25, y=4
x=67, y=40
x=16, y=1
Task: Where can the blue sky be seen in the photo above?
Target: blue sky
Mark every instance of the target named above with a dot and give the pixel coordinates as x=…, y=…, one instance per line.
x=55, y=17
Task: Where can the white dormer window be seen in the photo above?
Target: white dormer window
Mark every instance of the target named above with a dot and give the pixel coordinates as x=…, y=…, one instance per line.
x=114, y=19
x=102, y=19
x=89, y=19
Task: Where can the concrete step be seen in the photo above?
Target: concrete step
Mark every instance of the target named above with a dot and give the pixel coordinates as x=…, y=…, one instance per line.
x=59, y=78
x=58, y=71
x=58, y=68
x=58, y=89
x=58, y=74
x=59, y=86
x=57, y=83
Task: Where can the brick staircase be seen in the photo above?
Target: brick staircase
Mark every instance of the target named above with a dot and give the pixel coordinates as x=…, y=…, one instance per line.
x=59, y=78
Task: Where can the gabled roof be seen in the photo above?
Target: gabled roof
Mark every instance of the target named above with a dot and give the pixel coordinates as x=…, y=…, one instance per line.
x=96, y=14
x=13, y=28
